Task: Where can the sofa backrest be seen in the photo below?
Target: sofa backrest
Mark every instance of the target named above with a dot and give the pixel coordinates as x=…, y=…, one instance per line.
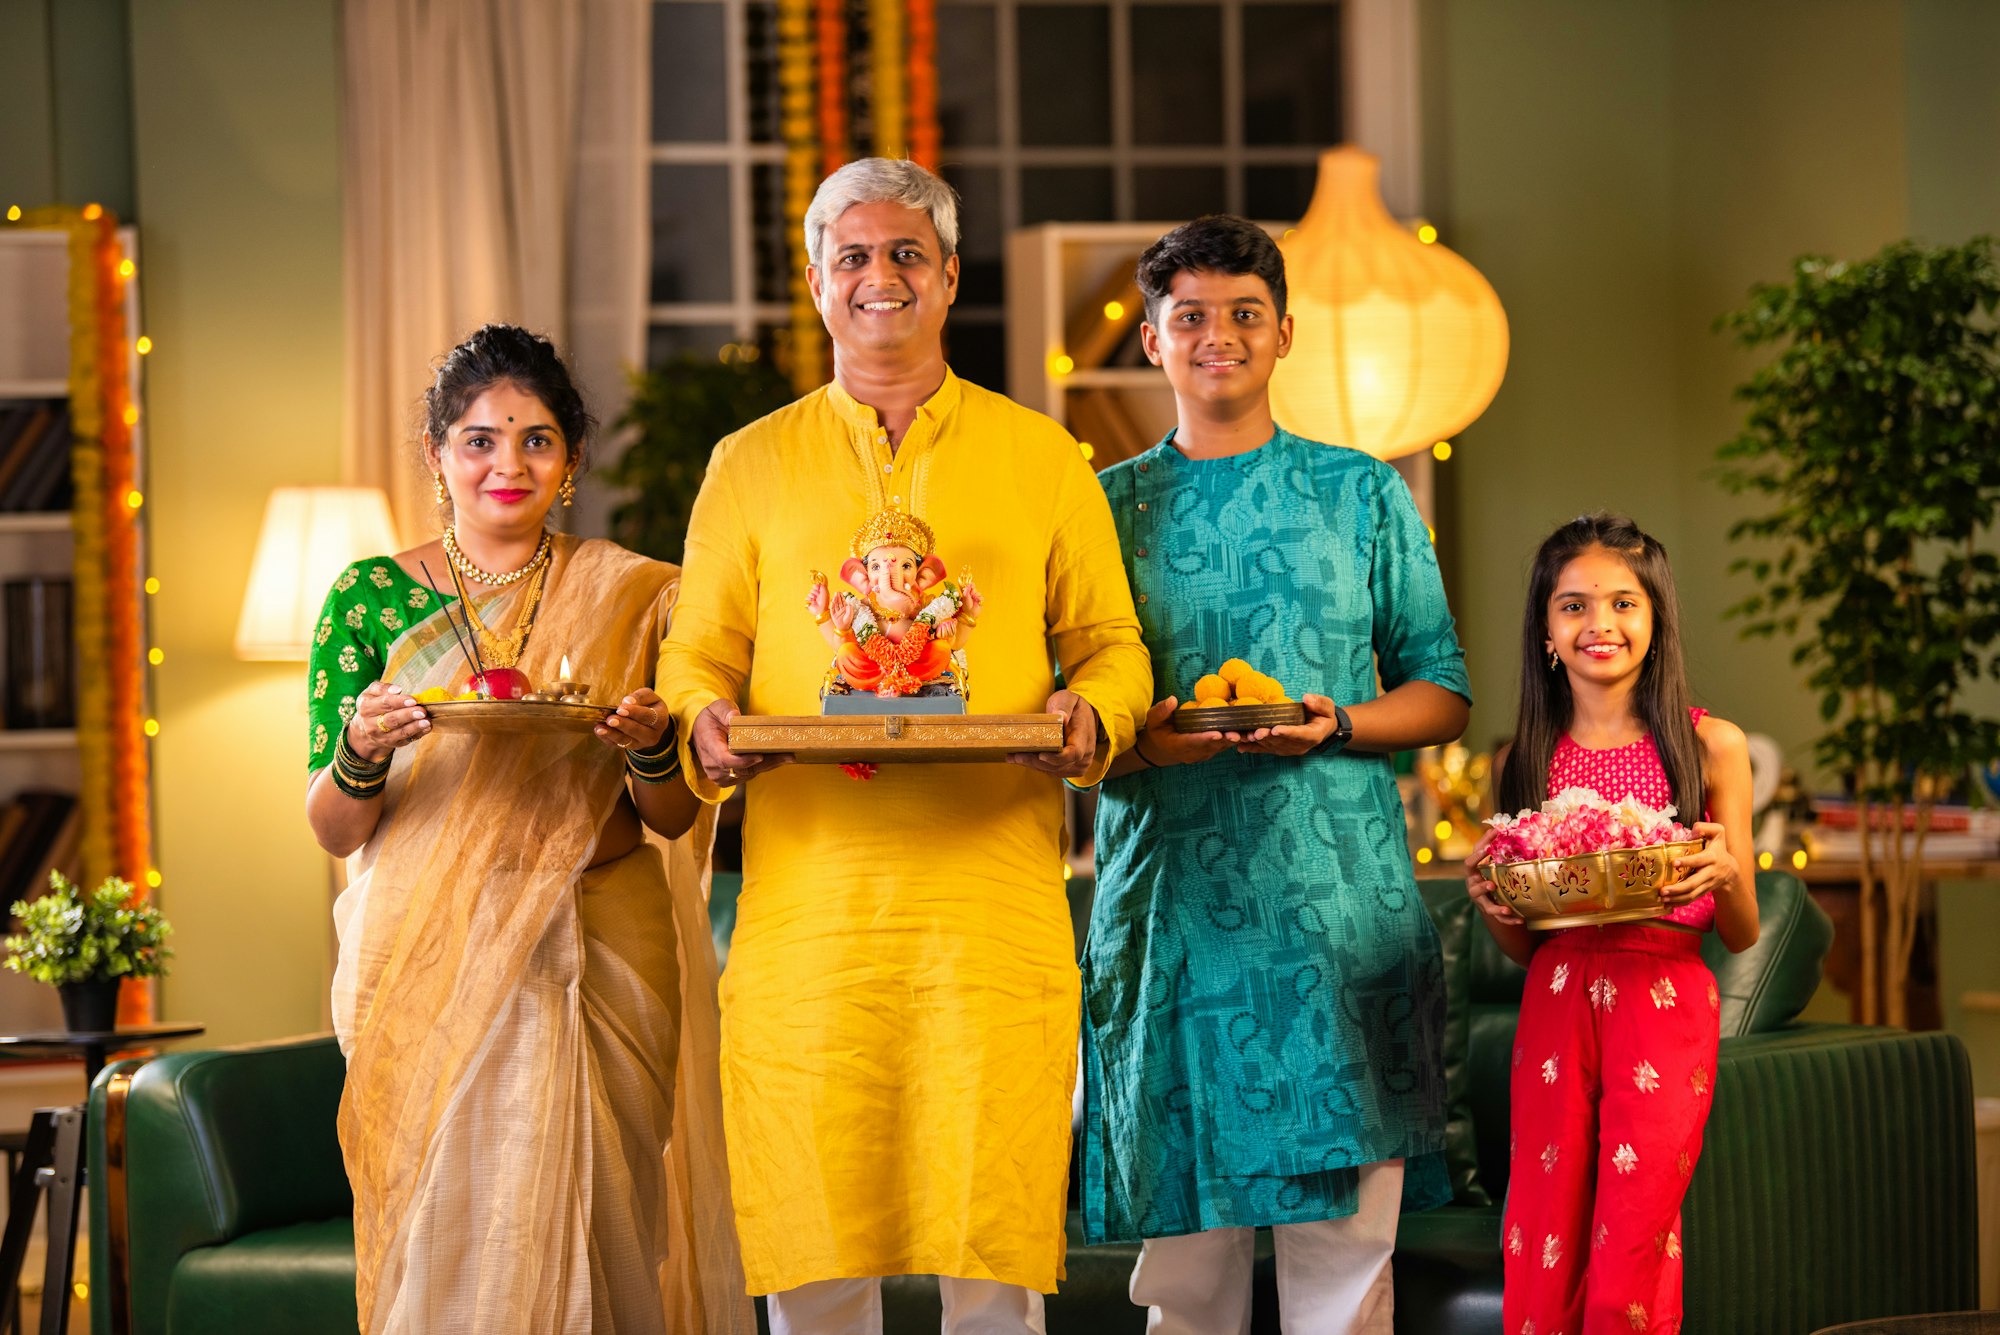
x=1762, y=989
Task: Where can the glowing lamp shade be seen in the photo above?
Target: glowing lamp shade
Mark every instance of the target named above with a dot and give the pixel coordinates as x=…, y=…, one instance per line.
x=1396, y=344
x=309, y=535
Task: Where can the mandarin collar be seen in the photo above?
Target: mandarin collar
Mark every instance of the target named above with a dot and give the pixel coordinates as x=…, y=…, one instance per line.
x=932, y=410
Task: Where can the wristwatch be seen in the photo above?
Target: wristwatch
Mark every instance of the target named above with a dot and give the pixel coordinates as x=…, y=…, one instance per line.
x=1337, y=740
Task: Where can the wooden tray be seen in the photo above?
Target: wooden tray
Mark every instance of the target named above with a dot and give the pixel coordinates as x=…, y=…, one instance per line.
x=541, y=716
x=925, y=738
x=1239, y=718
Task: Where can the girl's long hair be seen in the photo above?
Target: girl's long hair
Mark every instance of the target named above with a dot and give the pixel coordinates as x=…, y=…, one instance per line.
x=1661, y=700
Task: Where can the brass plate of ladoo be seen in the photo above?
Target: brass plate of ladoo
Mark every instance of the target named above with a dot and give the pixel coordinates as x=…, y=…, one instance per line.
x=532, y=716
x=887, y=738
x=1591, y=889
x=1239, y=718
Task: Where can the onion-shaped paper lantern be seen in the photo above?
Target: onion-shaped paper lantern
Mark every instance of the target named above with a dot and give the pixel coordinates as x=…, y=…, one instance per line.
x=1396, y=344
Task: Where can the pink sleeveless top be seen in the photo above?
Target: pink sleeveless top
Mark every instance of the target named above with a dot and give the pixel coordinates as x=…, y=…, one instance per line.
x=1628, y=771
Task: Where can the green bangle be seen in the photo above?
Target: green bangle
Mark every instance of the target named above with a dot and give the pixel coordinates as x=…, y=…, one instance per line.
x=360, y=792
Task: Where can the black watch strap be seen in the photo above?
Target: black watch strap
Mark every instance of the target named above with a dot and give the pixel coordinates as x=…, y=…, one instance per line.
x=1337, y=740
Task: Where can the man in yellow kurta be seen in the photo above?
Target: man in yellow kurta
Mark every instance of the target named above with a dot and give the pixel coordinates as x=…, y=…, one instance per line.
x=900, y=1006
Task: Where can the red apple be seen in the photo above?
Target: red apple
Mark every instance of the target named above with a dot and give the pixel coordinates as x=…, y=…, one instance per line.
x=499, y=683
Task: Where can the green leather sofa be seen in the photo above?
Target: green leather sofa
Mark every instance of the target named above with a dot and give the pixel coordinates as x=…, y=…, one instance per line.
x=1836, y=1182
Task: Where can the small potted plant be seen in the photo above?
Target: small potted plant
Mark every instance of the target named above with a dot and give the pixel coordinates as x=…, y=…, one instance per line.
x=85, y=945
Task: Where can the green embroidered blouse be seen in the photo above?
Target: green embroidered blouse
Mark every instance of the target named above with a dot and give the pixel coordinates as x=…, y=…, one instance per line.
x=369, y=607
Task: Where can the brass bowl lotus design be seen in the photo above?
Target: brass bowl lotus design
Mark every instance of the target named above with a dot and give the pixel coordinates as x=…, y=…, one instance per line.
x=1590, y=889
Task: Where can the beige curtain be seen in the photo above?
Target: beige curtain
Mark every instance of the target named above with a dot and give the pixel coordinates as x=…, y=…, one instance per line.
x=495, y=156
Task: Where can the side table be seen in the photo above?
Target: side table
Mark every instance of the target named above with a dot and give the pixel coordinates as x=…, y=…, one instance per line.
x=52, y=1161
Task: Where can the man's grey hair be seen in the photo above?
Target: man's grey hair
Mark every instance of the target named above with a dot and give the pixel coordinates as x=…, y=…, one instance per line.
x=882, y=181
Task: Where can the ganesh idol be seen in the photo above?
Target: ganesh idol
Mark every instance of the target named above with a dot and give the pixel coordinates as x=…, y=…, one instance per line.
x=898, y=639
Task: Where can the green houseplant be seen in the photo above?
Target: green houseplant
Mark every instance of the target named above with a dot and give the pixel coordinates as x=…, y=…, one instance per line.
x=679, y=411
x=1874, y=436
x=86, y=945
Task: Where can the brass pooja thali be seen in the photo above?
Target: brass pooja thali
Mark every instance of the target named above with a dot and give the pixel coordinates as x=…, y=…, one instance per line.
x=817, y=739
x=531, y=716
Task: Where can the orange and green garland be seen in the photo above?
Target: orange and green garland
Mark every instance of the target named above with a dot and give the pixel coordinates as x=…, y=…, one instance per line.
x=114, y=792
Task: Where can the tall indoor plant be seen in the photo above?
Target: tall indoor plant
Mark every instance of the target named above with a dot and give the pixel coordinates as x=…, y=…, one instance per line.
x=1874, y=436
x=680, y=410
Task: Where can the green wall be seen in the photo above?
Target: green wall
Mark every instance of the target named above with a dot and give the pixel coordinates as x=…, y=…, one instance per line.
x=65, y=104
x=1623, y=174
x=240, y=266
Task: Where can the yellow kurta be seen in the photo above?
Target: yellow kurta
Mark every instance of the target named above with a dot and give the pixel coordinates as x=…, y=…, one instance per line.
x=900, y=1004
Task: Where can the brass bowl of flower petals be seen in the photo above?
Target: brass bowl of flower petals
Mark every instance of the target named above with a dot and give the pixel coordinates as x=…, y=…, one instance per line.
x=1589, y=889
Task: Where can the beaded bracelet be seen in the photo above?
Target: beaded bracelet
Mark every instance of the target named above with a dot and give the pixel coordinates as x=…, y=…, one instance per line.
x=658, y=765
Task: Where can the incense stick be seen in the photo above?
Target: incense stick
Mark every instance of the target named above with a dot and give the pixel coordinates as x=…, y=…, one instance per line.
x=471, y=658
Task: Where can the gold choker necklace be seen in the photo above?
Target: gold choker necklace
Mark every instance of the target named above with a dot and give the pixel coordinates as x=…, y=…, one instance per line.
x=459, y=562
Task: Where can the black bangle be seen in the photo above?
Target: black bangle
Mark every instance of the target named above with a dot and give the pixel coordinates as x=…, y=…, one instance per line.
x=351, y=761
x=660, y=763
x=1139, y=750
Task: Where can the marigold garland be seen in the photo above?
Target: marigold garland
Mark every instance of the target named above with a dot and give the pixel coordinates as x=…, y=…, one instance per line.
x=922, y=83
x=817, y=91
x=885, y=77
x=806, y=344
x=113, y=791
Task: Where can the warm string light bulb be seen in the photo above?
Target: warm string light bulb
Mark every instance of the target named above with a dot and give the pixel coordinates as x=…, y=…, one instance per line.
x=13, y=213
x=144, y=345
x=1423, y=855
x=152, y=584
x=134, y=499
x=1427, y=234
x=131, y=414
x=1061, y=363
x=152, y=727
x=1763, y=862
x=126, y=268
x=156, y=656
x=1114, y=310
x=1441, y=451
x=153, y=878
x=1443, y=830
x=1799, y=859
x=1089, y=451
x=92, y=212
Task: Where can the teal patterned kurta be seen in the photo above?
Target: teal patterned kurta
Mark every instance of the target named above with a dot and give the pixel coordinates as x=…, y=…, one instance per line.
x=1263, y=995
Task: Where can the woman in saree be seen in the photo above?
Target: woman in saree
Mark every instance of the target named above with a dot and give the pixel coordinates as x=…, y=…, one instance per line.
x=525, y=989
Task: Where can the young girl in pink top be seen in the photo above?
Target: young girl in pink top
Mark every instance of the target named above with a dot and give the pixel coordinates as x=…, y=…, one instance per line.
x=1614, y=1058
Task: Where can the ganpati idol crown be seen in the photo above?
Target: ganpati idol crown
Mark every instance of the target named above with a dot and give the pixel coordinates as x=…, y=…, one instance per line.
x=890, y=527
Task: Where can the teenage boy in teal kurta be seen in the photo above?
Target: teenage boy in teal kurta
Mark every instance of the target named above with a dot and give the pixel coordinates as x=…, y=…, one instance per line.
x=1263, y=996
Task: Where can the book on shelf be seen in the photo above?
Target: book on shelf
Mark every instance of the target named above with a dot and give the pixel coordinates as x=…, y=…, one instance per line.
x=21, y=431
x=43, y=480
x=31, y=828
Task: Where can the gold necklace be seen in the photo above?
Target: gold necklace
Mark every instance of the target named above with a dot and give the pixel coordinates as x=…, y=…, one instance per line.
x=463, y=565
x=494, y=650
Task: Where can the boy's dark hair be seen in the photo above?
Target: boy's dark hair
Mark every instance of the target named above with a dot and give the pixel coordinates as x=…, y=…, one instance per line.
x=1661, y=698
x=1212, y=243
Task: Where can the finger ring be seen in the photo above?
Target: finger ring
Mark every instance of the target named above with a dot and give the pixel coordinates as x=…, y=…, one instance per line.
x=381, y=723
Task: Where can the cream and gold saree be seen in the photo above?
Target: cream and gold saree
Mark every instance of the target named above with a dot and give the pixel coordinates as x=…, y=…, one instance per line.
x=532, y=1117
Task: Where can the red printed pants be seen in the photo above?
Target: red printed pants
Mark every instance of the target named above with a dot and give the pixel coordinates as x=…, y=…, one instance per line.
x=1614, y=1064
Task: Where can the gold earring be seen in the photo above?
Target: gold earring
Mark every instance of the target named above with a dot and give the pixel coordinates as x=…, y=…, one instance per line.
x=569, y=488
x=442, y=494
